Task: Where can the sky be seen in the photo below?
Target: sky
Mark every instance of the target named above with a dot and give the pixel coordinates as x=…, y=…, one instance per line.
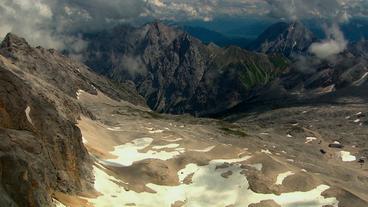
x=49, y=23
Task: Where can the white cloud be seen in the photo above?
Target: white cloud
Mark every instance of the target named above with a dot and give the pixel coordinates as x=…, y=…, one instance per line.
x=31, y=19
x=338, y=10
x=333, y=45
x=205, y=10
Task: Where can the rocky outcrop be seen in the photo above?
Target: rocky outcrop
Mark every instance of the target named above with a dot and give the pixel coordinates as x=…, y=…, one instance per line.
x=175, y=72
x=41, y=150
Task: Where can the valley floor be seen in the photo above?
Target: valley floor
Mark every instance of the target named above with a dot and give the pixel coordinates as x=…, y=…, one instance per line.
x=280, y=158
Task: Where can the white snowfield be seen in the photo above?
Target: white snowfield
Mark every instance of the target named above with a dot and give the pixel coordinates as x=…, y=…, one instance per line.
x=129, y=153
x=208, y=188
x=346, y=156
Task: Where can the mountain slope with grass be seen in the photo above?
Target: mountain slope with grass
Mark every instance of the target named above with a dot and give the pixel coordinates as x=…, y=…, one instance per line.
x=176, y=72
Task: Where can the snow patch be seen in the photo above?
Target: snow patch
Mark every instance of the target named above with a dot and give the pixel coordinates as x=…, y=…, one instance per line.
x=310, y=139
x=281, y=177
x=155, y=131
x=57, y=203
x=27, y=111
x=346, y=156
x=203, y=150
x=114, y=128
x=266, y=151
x=129, y=153
x=84, y=140
x=78, y=93
x=361, y=80
x=166, y=146
x=173, y=140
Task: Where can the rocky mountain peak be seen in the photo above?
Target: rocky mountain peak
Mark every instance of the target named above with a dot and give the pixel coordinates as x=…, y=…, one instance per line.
x=284, y=38
x=13, y=41
x=178, y=69
x=159, y=31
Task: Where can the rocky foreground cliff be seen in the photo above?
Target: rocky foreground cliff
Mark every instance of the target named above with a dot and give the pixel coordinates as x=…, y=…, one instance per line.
x=41, y=148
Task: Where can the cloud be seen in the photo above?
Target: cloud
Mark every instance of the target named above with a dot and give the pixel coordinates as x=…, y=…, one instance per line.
x=134, y=65
x=285, y=9
x=56, y=23
x=296, y=9
x=31, y=19
x=205, y=10
x=334, y=44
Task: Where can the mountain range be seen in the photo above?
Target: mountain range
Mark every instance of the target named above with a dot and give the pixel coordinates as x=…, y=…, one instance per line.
x=177, y=73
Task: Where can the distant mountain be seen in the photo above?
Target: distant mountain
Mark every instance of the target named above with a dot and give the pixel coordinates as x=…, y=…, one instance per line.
x=208, y=36
x=41, y=147
x=248, y=27
x=250, y=30
x=176, y=72
x=284, y=38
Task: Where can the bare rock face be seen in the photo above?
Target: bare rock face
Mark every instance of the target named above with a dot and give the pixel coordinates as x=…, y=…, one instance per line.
x=41, y=150
x=284, y=38
x=175, y=72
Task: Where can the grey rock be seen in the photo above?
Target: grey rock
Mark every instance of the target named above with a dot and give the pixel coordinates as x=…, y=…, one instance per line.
x=289, y=39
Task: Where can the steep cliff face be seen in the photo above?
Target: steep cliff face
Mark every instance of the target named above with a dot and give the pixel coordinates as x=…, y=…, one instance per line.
x=175, y=72
x=41, y=151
